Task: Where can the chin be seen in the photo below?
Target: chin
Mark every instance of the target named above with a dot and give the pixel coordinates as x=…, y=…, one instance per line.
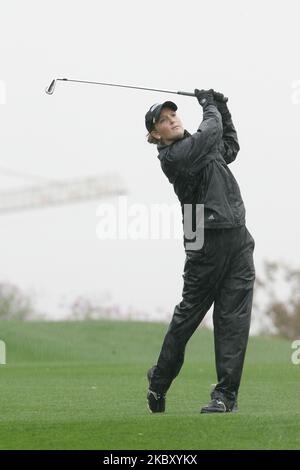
x=180, y=134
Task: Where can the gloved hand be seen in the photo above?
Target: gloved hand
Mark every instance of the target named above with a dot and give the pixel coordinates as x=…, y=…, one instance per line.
x=205, y=97
x=221, y=103
x=219, y=97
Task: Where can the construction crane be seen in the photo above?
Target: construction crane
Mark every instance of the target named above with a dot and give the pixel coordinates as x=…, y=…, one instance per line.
x=58, y=192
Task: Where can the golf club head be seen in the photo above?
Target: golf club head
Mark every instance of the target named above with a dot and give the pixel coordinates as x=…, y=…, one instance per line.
x=51, y=87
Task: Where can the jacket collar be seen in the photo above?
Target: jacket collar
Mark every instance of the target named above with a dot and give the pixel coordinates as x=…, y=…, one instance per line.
x=162, y=147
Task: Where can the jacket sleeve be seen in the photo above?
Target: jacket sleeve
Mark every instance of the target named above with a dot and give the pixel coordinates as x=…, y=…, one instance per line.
x=230, y=139
x=189, y=152
x=208, y=134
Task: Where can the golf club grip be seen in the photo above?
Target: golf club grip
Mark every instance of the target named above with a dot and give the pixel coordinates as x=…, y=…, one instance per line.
x=185, y=93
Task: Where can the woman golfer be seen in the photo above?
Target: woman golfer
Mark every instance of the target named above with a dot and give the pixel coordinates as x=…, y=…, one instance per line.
x=221, y=271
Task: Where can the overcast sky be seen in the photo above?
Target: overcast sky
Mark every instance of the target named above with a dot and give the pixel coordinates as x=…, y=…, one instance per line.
x=248, y=50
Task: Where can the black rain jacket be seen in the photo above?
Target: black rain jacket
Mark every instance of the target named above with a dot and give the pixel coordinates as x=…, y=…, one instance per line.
x=197, y=166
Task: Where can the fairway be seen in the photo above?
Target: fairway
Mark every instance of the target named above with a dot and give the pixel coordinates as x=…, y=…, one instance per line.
x=82, y=385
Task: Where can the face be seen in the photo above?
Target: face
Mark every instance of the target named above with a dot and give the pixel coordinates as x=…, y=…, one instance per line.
x=168, y=128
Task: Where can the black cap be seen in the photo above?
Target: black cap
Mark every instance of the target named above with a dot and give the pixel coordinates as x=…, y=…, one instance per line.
x=154, y=112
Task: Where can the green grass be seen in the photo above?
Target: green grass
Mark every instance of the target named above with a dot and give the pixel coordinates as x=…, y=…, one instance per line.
x=82, y=385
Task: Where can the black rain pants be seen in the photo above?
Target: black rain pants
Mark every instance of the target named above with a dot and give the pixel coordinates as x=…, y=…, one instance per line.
x=223, y=273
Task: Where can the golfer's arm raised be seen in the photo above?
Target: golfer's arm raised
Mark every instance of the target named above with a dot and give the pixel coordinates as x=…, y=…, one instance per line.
x=209, y=132
x=194, y=147
x=230, y=139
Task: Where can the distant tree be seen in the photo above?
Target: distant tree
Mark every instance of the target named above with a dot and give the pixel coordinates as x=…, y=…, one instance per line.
x=280, y=286
x=84, y=308
x=14, y=305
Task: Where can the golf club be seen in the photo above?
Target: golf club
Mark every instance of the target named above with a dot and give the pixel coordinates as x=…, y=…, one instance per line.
x=50, y=89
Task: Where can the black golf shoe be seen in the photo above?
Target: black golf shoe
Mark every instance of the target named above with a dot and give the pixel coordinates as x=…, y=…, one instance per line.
x=216, y=405
x=156, y=401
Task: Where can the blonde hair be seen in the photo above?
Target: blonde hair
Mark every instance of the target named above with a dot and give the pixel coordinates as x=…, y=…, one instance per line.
x=152, y=140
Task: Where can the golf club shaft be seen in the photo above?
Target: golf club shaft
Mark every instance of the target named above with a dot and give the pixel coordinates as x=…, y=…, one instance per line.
x=50, y=89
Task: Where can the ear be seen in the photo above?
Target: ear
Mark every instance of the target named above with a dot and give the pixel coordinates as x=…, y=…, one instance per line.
x=155, y=134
